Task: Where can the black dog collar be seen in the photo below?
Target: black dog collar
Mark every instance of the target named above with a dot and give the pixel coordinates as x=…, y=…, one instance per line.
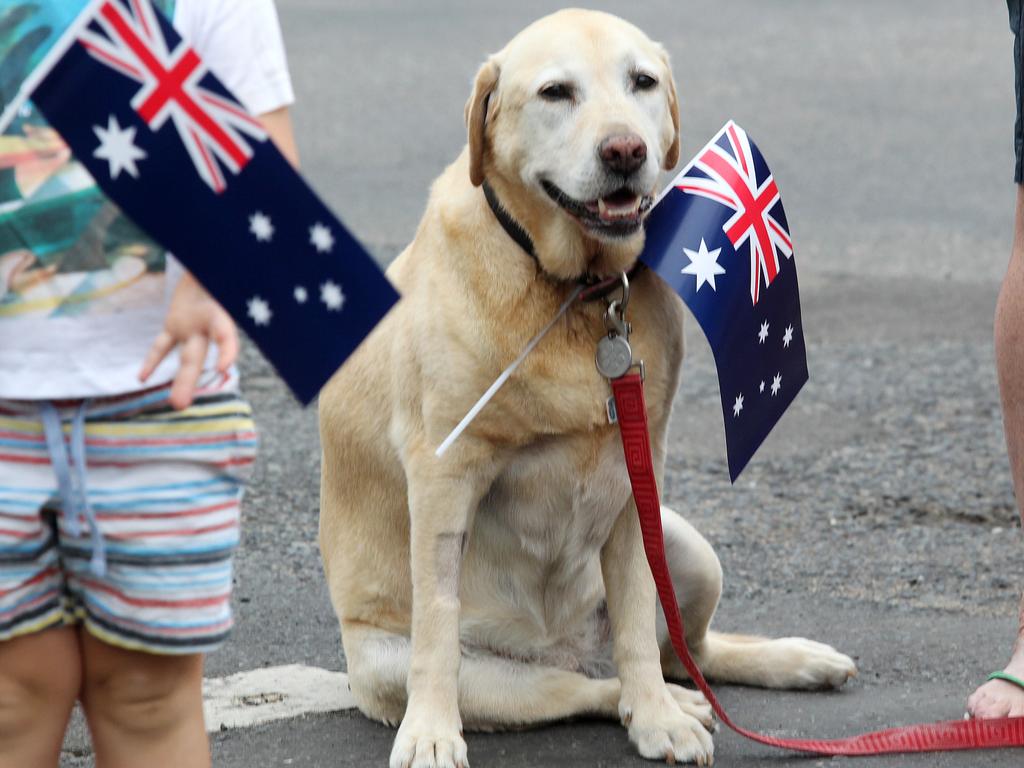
x=516, y=231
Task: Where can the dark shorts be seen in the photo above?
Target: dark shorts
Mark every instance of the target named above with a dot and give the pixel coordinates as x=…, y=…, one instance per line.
x=1016, y=20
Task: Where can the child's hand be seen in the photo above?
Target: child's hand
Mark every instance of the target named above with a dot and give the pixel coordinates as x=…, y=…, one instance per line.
x=193, y=320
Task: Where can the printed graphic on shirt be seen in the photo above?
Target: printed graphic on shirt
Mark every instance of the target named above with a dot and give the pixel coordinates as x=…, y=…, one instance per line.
x=65, y=250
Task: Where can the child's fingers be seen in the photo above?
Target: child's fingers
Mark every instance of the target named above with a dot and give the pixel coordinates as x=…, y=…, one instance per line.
x=162, y=346
x=225, y=335
x=192, y=355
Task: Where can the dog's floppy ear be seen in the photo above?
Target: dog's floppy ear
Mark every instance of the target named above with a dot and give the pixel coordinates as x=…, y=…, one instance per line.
x=672, y=156
x=476, y=118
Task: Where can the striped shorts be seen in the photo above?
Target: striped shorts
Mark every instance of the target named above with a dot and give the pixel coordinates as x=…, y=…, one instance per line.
x=143, y=557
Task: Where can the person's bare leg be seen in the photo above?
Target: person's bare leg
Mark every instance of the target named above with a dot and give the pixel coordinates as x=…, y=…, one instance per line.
x=143, y=709
x=40, y=675
x=998, y=698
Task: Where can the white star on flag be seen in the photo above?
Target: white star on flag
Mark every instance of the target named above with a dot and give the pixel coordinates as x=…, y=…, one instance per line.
x=300, y=294
x=331, y=295
x=737, y=406
x=763, y=333
x=788, y=337
x=261, y=226
x=259, y=311
x=320, y=237
x=117, y=147
x=703, y=265
x=776, y=384
x=762, y=386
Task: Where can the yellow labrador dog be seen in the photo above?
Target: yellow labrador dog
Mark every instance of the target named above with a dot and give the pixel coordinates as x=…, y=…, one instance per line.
x=504, y=584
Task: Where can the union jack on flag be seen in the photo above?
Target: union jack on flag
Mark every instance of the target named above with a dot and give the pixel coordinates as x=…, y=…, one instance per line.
x=725, y=172
x=719, y=236
x=212, y=127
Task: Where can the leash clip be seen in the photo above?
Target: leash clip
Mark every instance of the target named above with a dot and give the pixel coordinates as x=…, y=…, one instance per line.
x=615, y=315
x=614, y=355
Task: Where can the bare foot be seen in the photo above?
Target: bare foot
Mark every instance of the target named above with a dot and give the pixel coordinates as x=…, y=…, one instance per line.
x=999, y=698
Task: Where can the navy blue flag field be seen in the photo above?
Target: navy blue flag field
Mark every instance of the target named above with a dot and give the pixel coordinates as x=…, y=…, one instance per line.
x=182, y=158
x=720, y=238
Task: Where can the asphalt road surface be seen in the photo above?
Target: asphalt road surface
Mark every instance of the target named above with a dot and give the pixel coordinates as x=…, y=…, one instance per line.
x=879, y=516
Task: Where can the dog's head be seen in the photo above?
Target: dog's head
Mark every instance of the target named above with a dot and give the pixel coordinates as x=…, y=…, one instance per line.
x=571, y=123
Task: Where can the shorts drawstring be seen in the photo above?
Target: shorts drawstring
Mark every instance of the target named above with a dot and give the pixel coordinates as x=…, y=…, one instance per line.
x=71, y=478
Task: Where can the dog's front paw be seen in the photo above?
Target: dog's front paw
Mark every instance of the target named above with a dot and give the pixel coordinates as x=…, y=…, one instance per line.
x=661, y=730
x=427, y=743
x=694, y=704
x=800, y=663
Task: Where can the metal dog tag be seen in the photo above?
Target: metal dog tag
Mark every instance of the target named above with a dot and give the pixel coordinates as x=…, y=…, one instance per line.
x=614, y=356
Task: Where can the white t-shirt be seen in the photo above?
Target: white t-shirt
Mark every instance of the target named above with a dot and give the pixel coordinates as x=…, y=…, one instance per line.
x=82, y=303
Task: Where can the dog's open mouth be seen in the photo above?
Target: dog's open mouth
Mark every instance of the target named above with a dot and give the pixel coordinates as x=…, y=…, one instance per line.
x=619, y=214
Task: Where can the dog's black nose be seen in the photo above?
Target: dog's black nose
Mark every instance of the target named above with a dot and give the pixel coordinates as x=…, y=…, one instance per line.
x=624, y=153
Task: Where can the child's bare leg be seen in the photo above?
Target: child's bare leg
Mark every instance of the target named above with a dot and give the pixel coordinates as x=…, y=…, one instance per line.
x=40, y=675
x=143, y=709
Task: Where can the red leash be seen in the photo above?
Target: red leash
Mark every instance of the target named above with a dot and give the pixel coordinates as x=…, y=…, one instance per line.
x=929, y=737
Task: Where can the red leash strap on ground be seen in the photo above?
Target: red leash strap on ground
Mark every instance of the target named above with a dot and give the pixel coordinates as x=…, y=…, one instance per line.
x=930, y=737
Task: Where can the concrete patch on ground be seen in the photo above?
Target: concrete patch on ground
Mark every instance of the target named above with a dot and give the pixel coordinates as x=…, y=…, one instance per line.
x=274, y=693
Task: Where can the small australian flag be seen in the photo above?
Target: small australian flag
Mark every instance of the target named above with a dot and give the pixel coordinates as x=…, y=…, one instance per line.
x=720, y=238
x=182, y=158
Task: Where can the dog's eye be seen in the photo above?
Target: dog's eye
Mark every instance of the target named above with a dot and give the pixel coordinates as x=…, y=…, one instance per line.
x=643, y=82
x=557, y=92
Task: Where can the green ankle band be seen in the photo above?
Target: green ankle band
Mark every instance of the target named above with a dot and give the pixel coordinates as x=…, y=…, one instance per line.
x=1008, y=678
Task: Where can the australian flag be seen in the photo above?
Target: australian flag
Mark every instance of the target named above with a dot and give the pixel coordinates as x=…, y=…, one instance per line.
x=720, y=238
x=181, y=157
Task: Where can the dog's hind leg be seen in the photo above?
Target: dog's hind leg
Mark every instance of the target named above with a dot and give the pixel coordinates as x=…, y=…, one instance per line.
x=378, y=669
x=495, y=692
x=790, y=662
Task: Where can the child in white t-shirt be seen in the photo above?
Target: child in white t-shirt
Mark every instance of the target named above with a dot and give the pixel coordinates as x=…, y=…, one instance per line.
x=120, y=469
